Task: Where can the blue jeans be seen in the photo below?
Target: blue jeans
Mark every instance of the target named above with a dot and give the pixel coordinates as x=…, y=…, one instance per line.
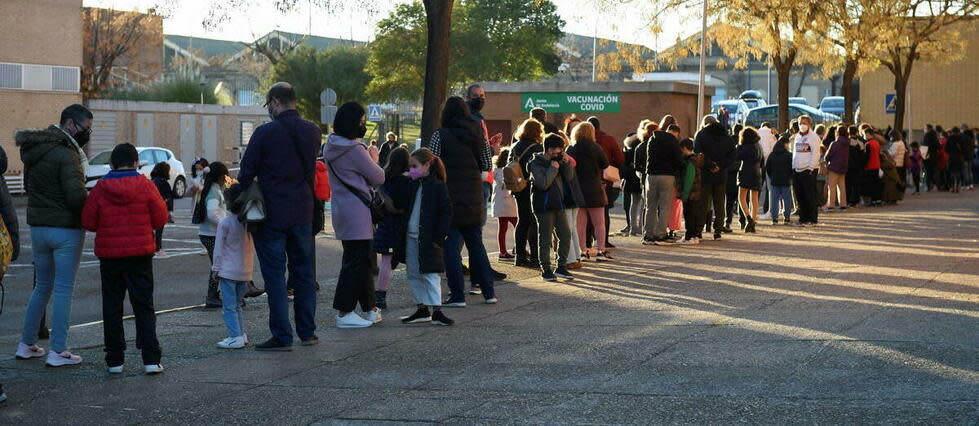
x=781, y=195
x=57, y=252
x=292, y=249
x=479, y=266
x=232, y=293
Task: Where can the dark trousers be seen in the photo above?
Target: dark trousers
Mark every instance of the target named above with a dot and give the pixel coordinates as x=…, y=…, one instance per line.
x=694, y=217
x=553, y=222
x=289, y=250
x=479, y=266
x=135, y=276
x=713, y=198
x=356, y=282
x=930, y=174
x=526, y=231
x=731, y=200
x=804, y=183
x=626, y=205
x=159, y=238
x=872, y=185
x=853, y=179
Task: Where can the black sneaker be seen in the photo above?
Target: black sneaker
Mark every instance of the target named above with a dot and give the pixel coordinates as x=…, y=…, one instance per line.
x=603, y=256
x=562, y=272
x=548, y=276
x=449, y=303
x=609, y=245
x=717, y=235
x=648, y=241
x=311, y=341
x=727, y=229
x=438, y=318
x=273, y=345
x=420, y=315
x=498, y=276
x=381, y=299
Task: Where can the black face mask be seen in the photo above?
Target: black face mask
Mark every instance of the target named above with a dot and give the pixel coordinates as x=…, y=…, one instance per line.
x=476, y=104
x=82, y=137
x=361, y=130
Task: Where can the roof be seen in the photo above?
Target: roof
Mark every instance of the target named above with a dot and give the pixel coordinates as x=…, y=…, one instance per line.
x=206, y=47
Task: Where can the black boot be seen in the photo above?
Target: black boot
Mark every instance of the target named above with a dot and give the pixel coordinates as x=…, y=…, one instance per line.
x=750, y=227
x=213, y=296
x=381, y=299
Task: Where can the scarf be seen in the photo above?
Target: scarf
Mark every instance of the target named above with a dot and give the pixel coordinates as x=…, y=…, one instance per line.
x=81, y=153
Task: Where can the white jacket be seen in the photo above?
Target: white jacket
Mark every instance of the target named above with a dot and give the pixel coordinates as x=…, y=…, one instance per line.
x=897, y=150
x=767, y=141
x=805, y=151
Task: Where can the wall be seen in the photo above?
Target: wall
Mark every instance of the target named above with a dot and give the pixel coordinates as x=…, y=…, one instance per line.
x=166, y=126
x=47, y=32
x=637, y=100
x=944, y=95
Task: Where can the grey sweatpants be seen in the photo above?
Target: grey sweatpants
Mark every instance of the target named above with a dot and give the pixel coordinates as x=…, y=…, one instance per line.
x=659, y=205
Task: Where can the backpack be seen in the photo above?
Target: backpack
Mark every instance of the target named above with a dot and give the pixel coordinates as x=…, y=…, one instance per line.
x=513, y=175
x=322, y=184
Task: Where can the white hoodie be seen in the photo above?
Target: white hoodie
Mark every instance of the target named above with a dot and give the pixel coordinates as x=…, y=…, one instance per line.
x=767, y=141
x=805, y=151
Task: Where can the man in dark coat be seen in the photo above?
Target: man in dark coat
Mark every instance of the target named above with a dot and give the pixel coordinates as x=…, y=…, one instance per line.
x=717, y=146
x=389, y=145
x=281, y=155
x=616, y=158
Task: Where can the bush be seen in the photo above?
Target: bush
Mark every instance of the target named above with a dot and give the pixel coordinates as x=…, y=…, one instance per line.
x=182, y=91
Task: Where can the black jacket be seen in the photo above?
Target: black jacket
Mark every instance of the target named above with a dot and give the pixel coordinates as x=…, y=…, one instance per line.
x=460, y=151
x=548, y=184
x=590, y=163
x=718, y=149
x=53, y=178
x=433, y=224
x=163, y=185
x=779, y=166
x=385, y=151
x=524, y=150
x=633, y=183
x=750, y=158
x=7, y=209
x=663, y=155
x=857, y=157
x=392, y=227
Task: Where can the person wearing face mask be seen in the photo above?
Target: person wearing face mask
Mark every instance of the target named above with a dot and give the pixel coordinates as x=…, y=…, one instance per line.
x=805, y=163
x=352, y=176
x=281, y=155
x=54, y=170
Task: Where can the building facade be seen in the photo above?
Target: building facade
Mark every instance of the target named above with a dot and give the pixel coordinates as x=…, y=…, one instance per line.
x=40, y=66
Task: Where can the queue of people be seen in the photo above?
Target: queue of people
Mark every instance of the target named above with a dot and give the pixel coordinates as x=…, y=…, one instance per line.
x=554, y=187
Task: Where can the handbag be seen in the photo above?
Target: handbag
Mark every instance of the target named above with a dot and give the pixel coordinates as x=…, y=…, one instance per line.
x=611, y=174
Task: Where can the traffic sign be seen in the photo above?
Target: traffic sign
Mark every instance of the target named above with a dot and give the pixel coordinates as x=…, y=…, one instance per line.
x=890, y=104
x=586, y=102
x=327, y=114
x=328, y=97
x=374, y=113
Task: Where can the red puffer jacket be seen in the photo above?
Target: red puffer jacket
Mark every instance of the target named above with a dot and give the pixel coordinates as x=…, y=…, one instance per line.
x=123, y=210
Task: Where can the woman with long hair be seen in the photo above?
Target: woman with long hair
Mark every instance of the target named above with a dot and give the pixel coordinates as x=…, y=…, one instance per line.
x=749, y=155
x=529, y=136
x=210, y=208
x=590, y=161
x=390, y=228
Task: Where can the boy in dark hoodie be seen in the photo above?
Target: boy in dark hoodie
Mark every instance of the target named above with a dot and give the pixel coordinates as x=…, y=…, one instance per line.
x=123, y=210
x=550, y=172
x=779, y=171
x=694, y=208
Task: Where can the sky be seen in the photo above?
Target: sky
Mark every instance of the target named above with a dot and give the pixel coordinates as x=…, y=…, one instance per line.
x=621, y=22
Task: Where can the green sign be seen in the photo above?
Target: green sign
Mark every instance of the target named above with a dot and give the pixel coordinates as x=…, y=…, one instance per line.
x=586, y=102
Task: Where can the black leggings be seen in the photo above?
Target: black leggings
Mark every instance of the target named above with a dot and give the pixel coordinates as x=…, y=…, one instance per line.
x=357, y=272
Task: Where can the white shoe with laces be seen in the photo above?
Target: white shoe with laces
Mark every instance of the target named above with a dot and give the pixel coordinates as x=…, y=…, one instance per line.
x=153, y=369
x=161, y=255
x=375, y=316
x=232, y=343
x=29, y=351
x=61, y=359
x=352, y=320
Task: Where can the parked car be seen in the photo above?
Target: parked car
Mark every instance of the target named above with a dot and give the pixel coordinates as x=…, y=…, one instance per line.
x=769, y=113
x=832, y=105
x=99, y=166
x=798, y=101
x=752, y=98
x=736, y=107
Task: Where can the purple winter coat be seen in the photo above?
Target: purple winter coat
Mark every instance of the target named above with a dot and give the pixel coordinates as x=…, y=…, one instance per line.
x=837, y=155
x=349, y=161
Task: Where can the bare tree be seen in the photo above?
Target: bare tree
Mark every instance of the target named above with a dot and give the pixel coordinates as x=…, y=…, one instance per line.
x=439, y=19
x=110, y=35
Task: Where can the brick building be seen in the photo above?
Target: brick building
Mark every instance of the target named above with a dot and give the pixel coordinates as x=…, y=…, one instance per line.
x=620, y=106
x=40, y=63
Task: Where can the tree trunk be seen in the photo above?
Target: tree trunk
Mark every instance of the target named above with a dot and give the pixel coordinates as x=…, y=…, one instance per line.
x=783, y=71
x=438, y=18
x=849, y=73
x=900, y=93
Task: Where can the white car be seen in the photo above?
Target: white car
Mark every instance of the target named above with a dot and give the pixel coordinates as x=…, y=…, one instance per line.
x=99, y=166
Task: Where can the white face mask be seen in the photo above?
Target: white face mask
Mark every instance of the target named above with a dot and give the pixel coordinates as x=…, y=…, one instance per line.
x=804, y=128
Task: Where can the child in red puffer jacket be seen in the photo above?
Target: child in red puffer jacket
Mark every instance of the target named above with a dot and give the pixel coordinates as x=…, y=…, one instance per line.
x=123, y=210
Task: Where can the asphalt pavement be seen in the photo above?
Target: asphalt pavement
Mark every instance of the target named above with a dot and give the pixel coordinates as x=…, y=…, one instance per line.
x=871, y=317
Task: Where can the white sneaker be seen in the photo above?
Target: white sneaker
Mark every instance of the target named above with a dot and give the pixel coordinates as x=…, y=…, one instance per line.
x=64, y=358
x=203, y=252
x=232, y=343
x=766, y=216
x=352, y=320
x=29, y=351
x=115, y=370
x=153, y=369
x=375, y=316
x=161, y=255
x=692, y=241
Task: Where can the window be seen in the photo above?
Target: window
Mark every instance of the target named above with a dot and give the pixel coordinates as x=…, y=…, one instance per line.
x=147, y=157
x=247, y=128
x=160, y=155
x=101, y=159
x=39, y=77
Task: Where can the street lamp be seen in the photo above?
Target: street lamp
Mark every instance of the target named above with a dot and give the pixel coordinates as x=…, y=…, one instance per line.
x=202, y=84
